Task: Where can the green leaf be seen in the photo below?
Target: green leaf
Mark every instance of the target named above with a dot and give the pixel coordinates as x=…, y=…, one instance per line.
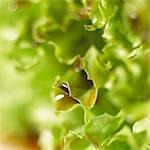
x=134, y=13
x=103, y=127
x=99, y=49
x=119, y=142
x=109, y=10
x=27, y=57
x=69, y=45
x=62, y=98
x=79, y=88
x=94, y=64
x=87, y=116
x=73, y=141
x=72, y=120
x=82, y=88
x=115, y=31
x=55, y=9
x=115, y=54
x=95, y=13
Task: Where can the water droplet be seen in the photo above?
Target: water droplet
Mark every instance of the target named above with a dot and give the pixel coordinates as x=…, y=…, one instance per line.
x=90, y=27
x=63, y=86
x=76, y=69
x=64, y=102
x=77, y=64
x=88, y=8
x=133, y=15
x=59, y=97
x=63, y=99
x=94, y=20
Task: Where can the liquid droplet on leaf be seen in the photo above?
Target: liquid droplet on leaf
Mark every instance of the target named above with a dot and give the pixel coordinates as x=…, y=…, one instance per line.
x=63, y=99
x=59, y=97
x=64, y=87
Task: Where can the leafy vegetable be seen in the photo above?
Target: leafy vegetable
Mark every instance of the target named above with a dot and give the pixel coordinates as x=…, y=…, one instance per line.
x=75, y=73
x=102, y=128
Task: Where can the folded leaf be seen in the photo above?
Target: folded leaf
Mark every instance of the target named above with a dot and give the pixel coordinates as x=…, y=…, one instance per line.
x=102, y=128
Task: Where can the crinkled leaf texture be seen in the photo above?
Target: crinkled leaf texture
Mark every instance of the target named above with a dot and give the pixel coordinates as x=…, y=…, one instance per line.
x=100, y=51
x=103, y=127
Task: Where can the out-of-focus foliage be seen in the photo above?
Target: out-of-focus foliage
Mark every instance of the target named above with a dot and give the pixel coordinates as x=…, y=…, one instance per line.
x=75, y=73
